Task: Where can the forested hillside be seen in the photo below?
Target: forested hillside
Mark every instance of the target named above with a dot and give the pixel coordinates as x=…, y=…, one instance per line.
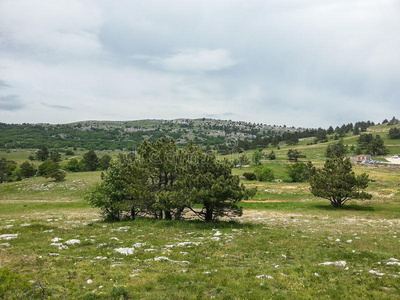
x=108, y=135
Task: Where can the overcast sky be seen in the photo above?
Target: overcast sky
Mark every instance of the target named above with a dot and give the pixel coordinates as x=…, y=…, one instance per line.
x=297, y=63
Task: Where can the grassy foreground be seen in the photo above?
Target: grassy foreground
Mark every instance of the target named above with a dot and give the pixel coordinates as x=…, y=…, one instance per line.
x=53, y=246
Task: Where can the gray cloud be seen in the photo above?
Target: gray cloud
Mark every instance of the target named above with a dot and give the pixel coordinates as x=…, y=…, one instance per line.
x=296, y=62
x=56, y=106
x=11, y=103
x=3, y=84
x=192, y=60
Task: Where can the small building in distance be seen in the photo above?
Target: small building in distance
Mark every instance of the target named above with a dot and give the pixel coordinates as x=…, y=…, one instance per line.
x=361, y=158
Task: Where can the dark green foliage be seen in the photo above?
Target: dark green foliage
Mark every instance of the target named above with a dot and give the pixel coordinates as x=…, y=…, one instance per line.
x=123, y=192
x=209, y=182
x=51, y=169
x=104, y=162
x=42, y=153
x=119, y=292
x=393, y=121
x=249, y=176
x=8, y=171
x=297, y=172
x=256, y=157
x=90, y=161
x=243, y=160
x=3, y=170
x=320, y=136
x=272, y=155
x=164, y=180
x=69, y=152
x=28, y=169
x=73, y=165
x=335, y=150
x=373, y=145
x=55, y=156
x=264, y=173
x=294, y=155
x=394, y=133
x=337, y=182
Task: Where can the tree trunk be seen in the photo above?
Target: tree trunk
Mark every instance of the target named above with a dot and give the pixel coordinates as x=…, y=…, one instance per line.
x=168, y=215
x=209, y=215
x=133, y=213
x=336, y=203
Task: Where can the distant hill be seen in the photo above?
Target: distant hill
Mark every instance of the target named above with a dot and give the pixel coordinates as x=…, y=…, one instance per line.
x=113, y=135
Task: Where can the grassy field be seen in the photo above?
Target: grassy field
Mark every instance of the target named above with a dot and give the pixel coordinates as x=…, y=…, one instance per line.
x=287, y=244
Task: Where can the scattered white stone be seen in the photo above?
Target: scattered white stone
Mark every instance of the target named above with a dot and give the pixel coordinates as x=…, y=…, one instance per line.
x=265, y=276
x=51, y=230
x=101, y=245
x=340, y=263
x=182, y=271
x=8, y=226
x=100, y=257
x=376, y=273
x=183, y=244
x=56, y=239
x=218, y=233
x=337, y=240
x=316, y=274
x=59, y=245
x=126, y=251
x=206, y=272
x=138, y=245
x=349, y=241
x=8, y=237
x=73, y=242
x=393, y=259
x=89, y=281
x=215, y=238
x=393, y=263
x=114, y=238
x=283, y=255
x=25, y=224
x=149, y=250
x=54, y=254
x=125, y=228
x=161, y=258
x=5, y=244
x=100, y=287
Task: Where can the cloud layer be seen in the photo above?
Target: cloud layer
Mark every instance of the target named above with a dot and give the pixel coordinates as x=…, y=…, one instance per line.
x=300, y=63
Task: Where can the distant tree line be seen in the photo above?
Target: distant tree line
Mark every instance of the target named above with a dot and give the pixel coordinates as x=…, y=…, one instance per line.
x=50, y=167
x=90, y=137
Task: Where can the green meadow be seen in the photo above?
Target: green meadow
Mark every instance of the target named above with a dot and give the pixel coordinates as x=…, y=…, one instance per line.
x=287, y=245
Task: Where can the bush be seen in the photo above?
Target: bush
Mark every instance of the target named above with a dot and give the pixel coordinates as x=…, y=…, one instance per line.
x=119, y=292
x=297, y=172
x=264, y=174
x=51, y=169
x=14, y=286
x=250, y=176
